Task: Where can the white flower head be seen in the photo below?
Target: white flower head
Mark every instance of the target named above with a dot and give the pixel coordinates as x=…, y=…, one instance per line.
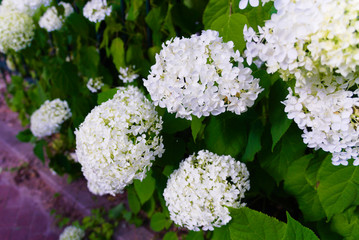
x=16, y=29
x=329, y=118
x=49, y=117
x=200, y=76
x=198, y=193
x=25, y=6
x=95, y=84
x=308, y=36
x=96, y=10
x=52, y=20
x=127, y=74
x=72, y=233
x=118, y=141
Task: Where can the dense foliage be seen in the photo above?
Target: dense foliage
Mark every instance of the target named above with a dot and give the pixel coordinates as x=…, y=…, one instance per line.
x=295, y=190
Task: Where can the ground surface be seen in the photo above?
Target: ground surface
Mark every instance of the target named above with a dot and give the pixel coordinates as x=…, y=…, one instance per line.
x=29, y=191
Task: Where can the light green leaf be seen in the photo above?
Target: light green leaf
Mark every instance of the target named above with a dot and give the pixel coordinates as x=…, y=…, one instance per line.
x=118, y=52
x=192, y=235
x=221, y=233
x=229, y=27
x=213, y=11
x=145, y=188
x=248, y=224
x=347, y=224
x=296, y=184
x=158, y=221
x=338, y=188
x=196, y=126
x=296, y=231
x=133, y=201
x=134, y=10
x=106, y=95
x=170, y=236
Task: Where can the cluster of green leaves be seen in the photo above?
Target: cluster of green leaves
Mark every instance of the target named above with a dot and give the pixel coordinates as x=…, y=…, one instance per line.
x=286, y=177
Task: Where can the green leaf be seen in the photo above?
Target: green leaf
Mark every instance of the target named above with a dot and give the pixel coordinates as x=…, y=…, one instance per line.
x=39, y=150
x=338, y=188
x=248, y=224
x=278, y=118
x=296, y=184
x=226, y=135
x=106, y=95
x=133, y=201
x=89, y=60
x=170, y=236
x=158, y=221
x=213, y=11
x=290, y=148
x=145, y=188
x=134, y=11
x=229, y=27
x=65, y=78
x=171, y=124
x=296, y=231
x=116, y=212
x=196, y=126
x=347, y=224
x=254, y=141
x=192, y=235
x=221, y=233
x=25, y=136
x=118, y=52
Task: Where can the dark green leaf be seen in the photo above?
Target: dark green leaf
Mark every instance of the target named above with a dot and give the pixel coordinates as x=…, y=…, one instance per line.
x=116, y=212
x=171, y=124
x=278, y=118
x=39, y=150
x=25, y=136
x=254, y=141
x=192, y=235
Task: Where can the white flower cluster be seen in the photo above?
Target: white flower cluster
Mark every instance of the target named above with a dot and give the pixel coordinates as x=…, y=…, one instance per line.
x=95, y=84
x=26, y=6
x=254, y=3
x=96, y=10
x=199, y=192
x=48, y=118
x=72, y=233
x=329, y=118
x=118, y=141
x=16, y=29
x=127, y=74
x=200, y=76
x=307, y=35
x=51, y=20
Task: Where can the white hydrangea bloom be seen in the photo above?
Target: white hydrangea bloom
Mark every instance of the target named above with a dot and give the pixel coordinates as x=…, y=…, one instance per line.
x=118, y=141
x=96, y=10
x=198, y=193
x=95, y=84
x=51, y=20
x=26, y=6
x=329, y=118
x=308, y=35
x=16, y=29
x=200, y=76
x=127, y=74
x=49, y=117
x=72, y=233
